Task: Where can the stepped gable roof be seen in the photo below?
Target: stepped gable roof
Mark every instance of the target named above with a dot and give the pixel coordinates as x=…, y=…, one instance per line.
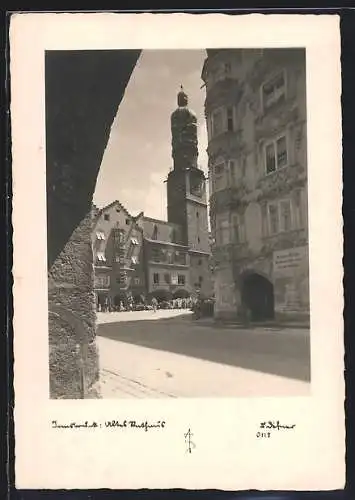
x=103, y=209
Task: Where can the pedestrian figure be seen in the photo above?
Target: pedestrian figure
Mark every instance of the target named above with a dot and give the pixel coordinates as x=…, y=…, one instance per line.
x=154, y=304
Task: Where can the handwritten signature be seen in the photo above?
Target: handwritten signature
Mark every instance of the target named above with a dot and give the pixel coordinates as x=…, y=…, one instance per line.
x=125, y=424
x=272, y=425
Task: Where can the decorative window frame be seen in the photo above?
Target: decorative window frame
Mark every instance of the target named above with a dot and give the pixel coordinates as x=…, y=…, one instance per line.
x=225, y=175
x=278, y=203
x=280, y=135
x=271, y=77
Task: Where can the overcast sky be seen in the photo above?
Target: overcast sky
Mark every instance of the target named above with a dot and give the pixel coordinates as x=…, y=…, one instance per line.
x=138, y=154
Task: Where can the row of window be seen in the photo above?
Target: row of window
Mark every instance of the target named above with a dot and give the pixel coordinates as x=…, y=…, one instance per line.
x=223, y=119
x=119, y=259
x=170, y=279
x=104, y=281
x=280, y=216
x=276, y=156
x=225, y=69
x=107, y=218
x=119, y=236
x=168, y=256
x=122, y=280
x=155, y=234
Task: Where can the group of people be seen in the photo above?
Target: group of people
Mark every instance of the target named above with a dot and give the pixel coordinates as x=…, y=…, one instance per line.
x=131, y=305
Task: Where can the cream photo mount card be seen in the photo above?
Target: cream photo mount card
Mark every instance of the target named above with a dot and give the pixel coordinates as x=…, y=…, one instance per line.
x=178, y=319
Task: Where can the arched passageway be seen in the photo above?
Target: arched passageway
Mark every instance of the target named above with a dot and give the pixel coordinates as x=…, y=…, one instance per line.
x=258, y=297
x=84, y=90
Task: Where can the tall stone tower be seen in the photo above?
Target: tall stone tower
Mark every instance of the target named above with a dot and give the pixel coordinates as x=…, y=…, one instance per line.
x=186, y=184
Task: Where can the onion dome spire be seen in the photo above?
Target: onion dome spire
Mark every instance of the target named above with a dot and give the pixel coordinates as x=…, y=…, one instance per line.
x=182, y=98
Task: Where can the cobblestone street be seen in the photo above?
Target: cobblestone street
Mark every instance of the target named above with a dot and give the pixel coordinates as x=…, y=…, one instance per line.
x=168, y=354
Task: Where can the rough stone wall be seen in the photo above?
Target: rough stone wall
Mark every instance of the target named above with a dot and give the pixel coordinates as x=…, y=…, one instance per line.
x=70, y=288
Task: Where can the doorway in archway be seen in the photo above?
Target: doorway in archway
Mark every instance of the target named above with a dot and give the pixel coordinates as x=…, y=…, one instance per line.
x=258, y=297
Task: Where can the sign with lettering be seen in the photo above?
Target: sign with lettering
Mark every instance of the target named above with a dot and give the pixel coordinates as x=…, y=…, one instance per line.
x=290, y=260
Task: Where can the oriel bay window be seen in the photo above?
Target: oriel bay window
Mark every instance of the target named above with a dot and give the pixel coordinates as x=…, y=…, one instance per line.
x=217, y=122
x=276, y=156
x=274, y=91
x=223, y=232
x=221, y=120
x=219, y=176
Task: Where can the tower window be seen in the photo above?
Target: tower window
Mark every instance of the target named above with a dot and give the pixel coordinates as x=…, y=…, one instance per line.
x=167, y=278
x=107, y=217
x=227, y=68
x=197, y=215
x=198, y=239
x=156, y=278
x=155, y=232
x=127, y=222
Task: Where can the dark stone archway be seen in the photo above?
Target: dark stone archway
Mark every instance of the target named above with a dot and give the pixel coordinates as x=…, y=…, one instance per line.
x=83, y=93
x=258, y=297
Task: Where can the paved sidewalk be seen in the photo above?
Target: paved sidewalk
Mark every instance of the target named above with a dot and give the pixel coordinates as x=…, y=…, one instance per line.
x=131, y=371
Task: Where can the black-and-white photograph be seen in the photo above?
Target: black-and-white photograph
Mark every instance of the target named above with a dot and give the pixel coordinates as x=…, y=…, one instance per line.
x=177, y=223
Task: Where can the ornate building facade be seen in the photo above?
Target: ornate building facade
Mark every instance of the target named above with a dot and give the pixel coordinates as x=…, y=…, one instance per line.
x=141, y=256
x=255, y=110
